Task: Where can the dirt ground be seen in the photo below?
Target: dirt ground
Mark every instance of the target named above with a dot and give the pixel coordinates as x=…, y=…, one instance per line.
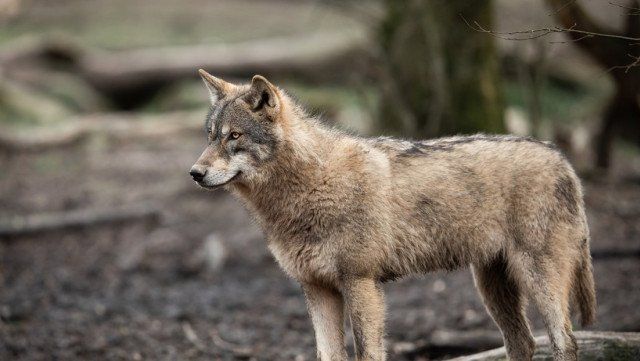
x=159, y=292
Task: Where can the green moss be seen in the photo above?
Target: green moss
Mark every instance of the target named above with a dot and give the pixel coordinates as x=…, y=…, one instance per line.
x=559, y=103
x=21, y=105
x=324, y=98
x=130, y=24
x=620, y=351
x=185, y=95
x=49, y=163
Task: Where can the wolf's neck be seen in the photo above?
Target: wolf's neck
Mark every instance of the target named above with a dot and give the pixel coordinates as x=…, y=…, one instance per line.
x=302, y=158
x=298, y=170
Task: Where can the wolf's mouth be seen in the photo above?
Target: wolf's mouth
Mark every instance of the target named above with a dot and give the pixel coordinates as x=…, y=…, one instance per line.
x=211, y=187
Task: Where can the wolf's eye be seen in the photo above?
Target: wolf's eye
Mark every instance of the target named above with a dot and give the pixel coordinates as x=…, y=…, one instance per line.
x=235, y=135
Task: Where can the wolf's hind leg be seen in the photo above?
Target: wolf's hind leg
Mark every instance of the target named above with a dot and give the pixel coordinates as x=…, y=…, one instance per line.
x=548, y=284
x=506, y=303
x=327, y=314
x=365, y=302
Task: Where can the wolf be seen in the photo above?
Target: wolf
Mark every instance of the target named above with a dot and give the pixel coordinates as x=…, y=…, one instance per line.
x=343, y=214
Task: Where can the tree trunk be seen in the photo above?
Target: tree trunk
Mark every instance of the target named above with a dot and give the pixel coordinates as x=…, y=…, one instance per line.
x=440, y=76
x=621, y=116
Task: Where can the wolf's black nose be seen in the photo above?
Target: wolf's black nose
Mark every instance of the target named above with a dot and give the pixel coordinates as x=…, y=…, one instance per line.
x=197, y=172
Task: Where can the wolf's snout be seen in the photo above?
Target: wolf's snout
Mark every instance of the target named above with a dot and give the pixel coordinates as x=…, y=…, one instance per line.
x=198, y=172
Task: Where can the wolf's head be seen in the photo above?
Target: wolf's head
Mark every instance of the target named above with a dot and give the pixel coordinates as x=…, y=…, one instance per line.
x=243, y=131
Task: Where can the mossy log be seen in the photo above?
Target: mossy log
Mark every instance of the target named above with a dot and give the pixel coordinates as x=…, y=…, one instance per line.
x=111, y=126
x=592, y=346
x=39, y=223
x=129, y=78
x=18, y=101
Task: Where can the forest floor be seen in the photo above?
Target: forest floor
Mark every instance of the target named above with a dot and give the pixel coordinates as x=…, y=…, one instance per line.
x=152, y=291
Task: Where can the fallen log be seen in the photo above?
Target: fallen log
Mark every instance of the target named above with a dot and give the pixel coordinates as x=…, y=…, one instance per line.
x=39, y=140
x=606, y=254
x=29, y=49
x=120, y=126
x=284, y=54
x=442, y=343
x=605, y=346
x=129, y=78
x=474, y=339
x=38, y=223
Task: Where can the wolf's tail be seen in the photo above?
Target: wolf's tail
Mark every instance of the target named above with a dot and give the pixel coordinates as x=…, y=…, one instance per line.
x=584, y=287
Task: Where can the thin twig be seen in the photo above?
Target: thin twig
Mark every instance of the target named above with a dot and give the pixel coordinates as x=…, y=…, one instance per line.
x=228, y=346
x=192, y=337
x=541, y=32
x=633, y=64
x=560, y=8
x=571, y=40
x=633, y=10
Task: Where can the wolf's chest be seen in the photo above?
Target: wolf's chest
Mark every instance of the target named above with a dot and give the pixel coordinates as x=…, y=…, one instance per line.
x=305, y=262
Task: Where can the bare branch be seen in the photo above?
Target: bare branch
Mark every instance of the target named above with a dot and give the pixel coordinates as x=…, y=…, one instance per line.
x=561, y=7
x=633, y=64
x=633, y=11
x=572, y=40
x=569, y=13
x=541, y=32
x=192, y=337
x=598, y=41
x=240, y=351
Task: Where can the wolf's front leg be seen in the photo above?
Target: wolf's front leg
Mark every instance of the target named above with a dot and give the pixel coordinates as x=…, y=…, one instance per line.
x=365, y=301
x=326, y=311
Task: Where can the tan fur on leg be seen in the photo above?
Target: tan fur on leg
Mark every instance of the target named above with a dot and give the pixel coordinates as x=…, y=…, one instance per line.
x=365, y=301
x=327, y=314
x=548, y=284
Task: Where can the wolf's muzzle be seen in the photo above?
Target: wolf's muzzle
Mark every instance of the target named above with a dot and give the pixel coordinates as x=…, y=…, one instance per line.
x=198, y=173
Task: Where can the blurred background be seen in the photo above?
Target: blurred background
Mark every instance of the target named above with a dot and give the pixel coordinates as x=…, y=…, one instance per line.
x=109, y=251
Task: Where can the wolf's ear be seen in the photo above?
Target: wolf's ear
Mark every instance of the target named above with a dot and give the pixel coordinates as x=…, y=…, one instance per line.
x=217, y=87
x=263, y=96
